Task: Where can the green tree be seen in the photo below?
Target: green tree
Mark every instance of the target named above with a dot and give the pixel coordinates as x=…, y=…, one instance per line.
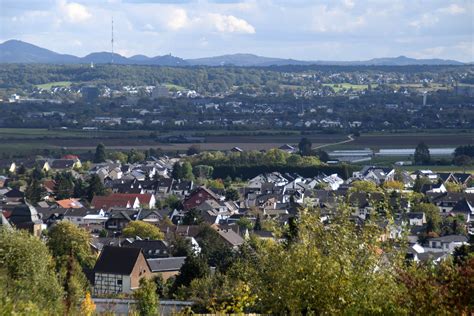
x=172, y=201
x=176, y=173
x=118, y=156
x=65, y=238
x=64, y=187
x=95, y=187
x=305, y=147
x=363, y=186
x=142, y=230
x=146, y=299
x=187, y=171
x=244, y=223
x=258, y=224
x=203, y=171
x=232, y=194
x=34, y=192
x=193, y=150
x=433, y=217
x=100, y=154
x=322, y=155
x=70, y=246
x=27, y=277
x=422, y=154
x=332, y=268
x=135, y=156
x=194, y=267
x=419, y=183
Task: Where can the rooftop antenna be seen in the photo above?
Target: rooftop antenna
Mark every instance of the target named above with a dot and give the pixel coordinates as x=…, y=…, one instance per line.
x=112, y=41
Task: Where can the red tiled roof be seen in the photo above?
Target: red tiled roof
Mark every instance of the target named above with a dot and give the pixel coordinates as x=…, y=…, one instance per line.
x=143, y=198
x=73, y=157
x=119, y=200
x=69, y=203
x=49, y=185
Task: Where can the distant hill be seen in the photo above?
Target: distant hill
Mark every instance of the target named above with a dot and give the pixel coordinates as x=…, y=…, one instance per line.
x=244, y=60
x=14, y=51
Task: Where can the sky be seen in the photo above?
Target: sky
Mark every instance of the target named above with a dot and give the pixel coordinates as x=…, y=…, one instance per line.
x=299, y=29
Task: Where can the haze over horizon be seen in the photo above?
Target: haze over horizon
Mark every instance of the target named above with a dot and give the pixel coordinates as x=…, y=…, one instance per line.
x=300, y=29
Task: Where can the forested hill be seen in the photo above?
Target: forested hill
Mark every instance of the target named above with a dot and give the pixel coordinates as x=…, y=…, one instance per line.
x=14, y=51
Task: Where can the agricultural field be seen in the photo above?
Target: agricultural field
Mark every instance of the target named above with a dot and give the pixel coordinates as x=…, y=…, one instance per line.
x=48, y=86
x=34, y=139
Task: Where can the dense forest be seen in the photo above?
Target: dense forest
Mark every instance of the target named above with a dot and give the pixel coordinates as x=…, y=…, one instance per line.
x=216, y=79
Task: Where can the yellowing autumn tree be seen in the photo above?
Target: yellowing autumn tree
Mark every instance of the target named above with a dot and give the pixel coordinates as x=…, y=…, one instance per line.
x=88, y=305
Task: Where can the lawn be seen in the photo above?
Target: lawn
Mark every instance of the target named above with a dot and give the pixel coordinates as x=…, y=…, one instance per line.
x=48, y=86
x=174, y=86
x=346, y=86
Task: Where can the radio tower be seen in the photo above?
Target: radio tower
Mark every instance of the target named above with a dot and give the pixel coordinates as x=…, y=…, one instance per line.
x=112, y=41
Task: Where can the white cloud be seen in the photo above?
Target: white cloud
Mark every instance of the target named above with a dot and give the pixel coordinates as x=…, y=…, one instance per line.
x=426, y=20
x=230, y=24
x=349, y=3
x=335, y=20
x=178, y=19
x=74, y=12
x=453, y=9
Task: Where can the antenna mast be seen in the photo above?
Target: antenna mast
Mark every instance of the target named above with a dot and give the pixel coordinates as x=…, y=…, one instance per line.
x=112, y=41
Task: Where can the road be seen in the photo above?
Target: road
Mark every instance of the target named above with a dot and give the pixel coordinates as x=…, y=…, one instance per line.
x=349, y=139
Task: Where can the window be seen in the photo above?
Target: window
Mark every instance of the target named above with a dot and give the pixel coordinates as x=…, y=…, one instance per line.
x=119, y=282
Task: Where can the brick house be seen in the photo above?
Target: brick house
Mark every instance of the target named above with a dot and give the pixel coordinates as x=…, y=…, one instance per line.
x=198, y=196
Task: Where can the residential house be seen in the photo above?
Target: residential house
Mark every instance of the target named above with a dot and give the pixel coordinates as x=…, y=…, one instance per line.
x=233, y=239
x=166, y=267
x=198, y=196
x=447, y=243
x=118, y=219
x=119, y=270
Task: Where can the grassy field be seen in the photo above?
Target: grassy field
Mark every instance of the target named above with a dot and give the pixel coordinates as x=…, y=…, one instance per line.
x=174, y=86
x=48, y=86
x=346, y=86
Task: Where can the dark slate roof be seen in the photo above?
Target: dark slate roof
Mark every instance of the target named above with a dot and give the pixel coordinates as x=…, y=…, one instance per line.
x=463, y=206
x=14, y=193
x=182, y=185
x=117, y=260
x=444, y=176
x=450, y=238
x=415, y=215
x=152, y=245
x=462, y=177
x=166, y=264
x=430, y=256
x=62, y=163
x=263, y=233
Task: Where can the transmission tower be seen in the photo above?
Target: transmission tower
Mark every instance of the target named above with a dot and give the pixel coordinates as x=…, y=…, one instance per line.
x=112, y=41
